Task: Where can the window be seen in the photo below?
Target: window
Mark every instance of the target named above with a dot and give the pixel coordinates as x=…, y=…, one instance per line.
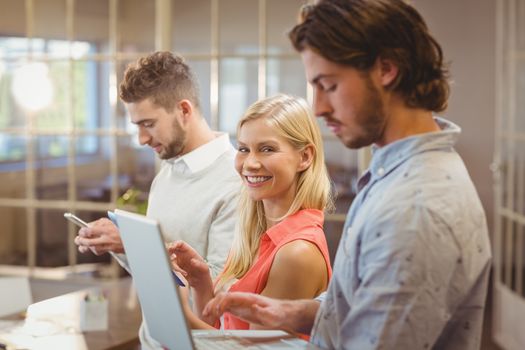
x=42, y=91
x=79, y=152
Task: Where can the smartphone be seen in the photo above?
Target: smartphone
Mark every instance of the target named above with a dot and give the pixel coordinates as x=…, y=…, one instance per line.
x=177, y=279
x=76, y=220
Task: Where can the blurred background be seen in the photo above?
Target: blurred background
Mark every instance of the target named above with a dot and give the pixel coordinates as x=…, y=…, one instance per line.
x=66, y=142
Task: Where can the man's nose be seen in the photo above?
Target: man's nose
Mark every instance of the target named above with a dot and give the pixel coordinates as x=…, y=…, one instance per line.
x=321, y=106
x=144, y=137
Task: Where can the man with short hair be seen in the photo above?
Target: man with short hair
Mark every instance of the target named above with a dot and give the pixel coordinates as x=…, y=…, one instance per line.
x=194, y=195
x=412, y=266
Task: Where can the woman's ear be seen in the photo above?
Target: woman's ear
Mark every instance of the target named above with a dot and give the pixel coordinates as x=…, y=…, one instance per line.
x=307, y=157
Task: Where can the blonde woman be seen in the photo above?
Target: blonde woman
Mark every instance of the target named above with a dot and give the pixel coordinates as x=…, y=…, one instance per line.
x=280, y=249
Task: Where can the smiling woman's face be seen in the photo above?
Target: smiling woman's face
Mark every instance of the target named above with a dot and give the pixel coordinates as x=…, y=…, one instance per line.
x=267, y=163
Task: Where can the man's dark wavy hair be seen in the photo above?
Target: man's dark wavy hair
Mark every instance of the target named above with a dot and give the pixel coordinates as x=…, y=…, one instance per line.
x=357, y=32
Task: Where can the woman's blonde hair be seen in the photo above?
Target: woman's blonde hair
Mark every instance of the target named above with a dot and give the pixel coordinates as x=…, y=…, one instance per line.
x=292, y=119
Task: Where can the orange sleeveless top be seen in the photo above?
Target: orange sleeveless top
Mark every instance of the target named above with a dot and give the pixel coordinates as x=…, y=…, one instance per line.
x=307, y=225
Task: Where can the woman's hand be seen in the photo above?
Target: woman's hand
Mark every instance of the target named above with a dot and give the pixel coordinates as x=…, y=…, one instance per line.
x=193, y=267
x=189, y=263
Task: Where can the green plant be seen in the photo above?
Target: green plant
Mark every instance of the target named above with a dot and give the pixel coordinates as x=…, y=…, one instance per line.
x=133, y=199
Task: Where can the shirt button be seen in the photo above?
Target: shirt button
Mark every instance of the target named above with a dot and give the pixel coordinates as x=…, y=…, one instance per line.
x=381, y=171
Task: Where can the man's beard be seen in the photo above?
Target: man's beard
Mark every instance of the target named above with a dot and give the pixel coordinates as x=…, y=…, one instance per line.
x=371, y=119
x=177, y=145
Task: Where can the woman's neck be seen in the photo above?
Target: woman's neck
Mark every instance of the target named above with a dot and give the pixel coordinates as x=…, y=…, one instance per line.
x=275, y=210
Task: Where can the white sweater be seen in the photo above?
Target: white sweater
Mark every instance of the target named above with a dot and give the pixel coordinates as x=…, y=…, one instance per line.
x=198, y=208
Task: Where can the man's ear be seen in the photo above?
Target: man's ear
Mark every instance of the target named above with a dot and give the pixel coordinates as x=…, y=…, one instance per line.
x=307, y=157
x=186, y=107
x=388, y=71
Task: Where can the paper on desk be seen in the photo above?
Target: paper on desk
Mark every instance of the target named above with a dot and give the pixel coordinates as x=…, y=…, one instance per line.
x=58, y=314
x=16, y=342
x=15, y=295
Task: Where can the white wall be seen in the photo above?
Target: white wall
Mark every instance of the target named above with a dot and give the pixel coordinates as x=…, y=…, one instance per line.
x=466, y=31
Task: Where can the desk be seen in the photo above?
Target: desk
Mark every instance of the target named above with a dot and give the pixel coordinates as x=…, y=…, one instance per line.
x=123, y=322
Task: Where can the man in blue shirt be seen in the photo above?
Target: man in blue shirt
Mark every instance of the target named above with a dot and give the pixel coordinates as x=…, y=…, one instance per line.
x=412, y=267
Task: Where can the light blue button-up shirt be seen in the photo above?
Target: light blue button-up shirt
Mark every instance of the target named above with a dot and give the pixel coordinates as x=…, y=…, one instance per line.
x=412, y=267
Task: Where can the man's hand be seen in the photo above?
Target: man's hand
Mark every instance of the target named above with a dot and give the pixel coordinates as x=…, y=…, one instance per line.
x=252, y=308
x=100, y=237
x=289, y=315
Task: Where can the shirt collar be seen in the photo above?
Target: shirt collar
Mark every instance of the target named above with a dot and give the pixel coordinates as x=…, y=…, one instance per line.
x=387, y=158
x=295, y=222
x=203, y=156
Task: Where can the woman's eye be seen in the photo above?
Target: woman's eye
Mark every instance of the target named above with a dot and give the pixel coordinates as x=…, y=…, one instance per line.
x=267, y=149
x=243, y=149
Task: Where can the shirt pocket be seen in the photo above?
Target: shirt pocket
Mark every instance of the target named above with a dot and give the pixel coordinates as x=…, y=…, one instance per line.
x=349, y=242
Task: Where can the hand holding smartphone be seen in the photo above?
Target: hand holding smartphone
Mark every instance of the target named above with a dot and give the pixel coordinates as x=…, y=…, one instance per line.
x=81, y=223
x=76, y=220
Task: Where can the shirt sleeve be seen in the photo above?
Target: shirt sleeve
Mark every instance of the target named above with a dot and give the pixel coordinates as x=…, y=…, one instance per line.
x=407, y=258
x=321, y=297
x=220, y=235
